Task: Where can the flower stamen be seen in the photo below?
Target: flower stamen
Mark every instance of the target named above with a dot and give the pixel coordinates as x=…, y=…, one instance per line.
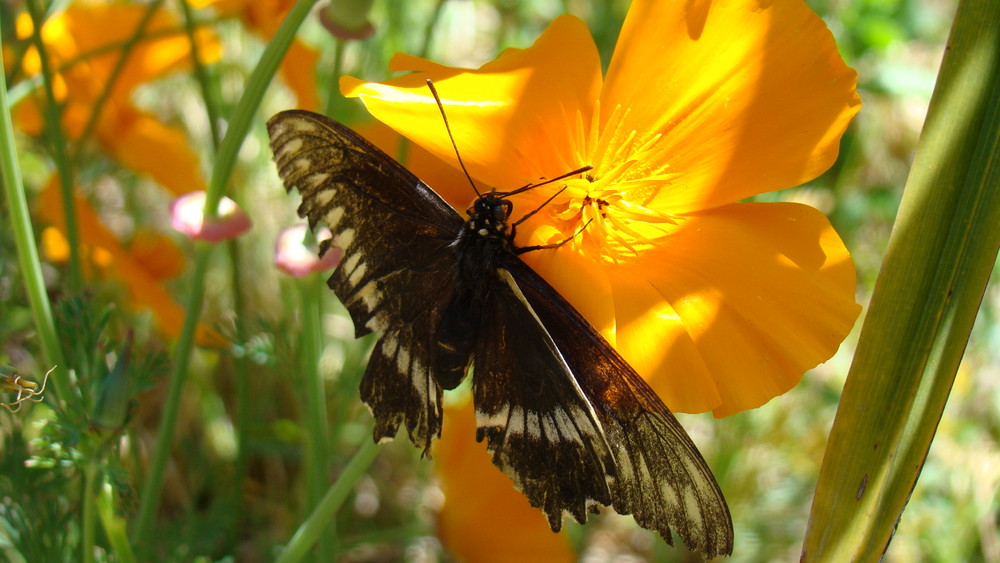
x=612, y=198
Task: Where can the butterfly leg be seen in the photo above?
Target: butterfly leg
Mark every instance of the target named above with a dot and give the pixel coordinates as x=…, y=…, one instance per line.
x=523, y=249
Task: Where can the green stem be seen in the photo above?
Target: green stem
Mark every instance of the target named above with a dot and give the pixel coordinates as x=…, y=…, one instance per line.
x=150, y=497
x=114, y=525
x=242, y=372
x=246, y=110
x=209, y=92
x=310, y=530
x=27, y=251
x=53, y=132
x=88, y=526
x=314, y=399
x=425, y=47
x=333, y=97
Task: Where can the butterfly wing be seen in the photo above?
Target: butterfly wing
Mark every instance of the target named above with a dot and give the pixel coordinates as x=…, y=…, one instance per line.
x=660, y=477
x=541, y=429
x=398, y=270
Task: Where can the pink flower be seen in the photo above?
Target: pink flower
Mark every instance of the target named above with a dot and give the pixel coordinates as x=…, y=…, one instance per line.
x=296, y=258
x=187, y=217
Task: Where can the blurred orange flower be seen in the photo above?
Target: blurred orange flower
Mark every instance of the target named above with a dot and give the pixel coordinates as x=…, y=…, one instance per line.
x=298, y=68
x=721, y=305
x=84, y=44
x=150, y=260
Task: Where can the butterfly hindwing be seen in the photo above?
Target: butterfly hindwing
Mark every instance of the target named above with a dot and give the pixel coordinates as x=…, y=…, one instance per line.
x=394, y=232
x=541, y=429
x=662, y=479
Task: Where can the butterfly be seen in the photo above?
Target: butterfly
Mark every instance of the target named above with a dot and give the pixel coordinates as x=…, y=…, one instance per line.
x=563, y=415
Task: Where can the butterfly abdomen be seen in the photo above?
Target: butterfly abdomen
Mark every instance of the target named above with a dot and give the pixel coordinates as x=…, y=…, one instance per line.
x=482, y=246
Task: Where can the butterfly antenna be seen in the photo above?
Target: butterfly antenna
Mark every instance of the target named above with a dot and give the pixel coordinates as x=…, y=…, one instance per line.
x=434, y=92
x=549, y=181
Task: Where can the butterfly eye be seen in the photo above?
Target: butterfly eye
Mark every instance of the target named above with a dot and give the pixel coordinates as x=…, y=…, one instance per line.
x=508, y=208
x=502, y=212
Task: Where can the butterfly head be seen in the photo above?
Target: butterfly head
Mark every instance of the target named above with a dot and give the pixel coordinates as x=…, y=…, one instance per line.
x=489, y=214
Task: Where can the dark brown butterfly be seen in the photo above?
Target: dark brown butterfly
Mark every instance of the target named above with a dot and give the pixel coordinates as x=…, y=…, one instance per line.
x=565, y=417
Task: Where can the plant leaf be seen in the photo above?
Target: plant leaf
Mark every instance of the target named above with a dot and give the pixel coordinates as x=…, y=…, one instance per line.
x=940, y=255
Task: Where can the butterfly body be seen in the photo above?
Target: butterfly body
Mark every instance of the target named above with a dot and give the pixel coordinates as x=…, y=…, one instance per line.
x=482, y=246
x=564, y=416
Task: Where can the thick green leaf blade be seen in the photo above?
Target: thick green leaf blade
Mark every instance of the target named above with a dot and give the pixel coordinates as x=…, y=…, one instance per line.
x=935, y=271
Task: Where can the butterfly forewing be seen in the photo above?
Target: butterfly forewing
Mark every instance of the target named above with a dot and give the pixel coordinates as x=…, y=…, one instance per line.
x=395, y=274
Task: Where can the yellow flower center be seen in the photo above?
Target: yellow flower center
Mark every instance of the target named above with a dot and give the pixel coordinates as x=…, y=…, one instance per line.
x=610, y=204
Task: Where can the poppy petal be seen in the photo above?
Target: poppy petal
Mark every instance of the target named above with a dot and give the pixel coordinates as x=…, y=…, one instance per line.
x=749, y=96
x=764, y=292
x=653, y=337
x=509, y=117
x=578, y=278
x=138, y=141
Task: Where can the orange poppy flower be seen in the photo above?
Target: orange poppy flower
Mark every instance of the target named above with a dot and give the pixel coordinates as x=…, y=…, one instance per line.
x=720, y=305
x=150, y=260
x=84, y=46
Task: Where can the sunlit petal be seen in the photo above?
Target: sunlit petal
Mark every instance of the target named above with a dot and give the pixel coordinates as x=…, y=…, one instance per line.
x=748, y=96
x=509, y=117
x=655, y=340
x=764, y=292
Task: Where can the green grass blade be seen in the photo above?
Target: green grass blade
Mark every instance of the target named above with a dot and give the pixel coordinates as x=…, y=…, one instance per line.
x=313, y=527
x=940, y=255
x=27, y=250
